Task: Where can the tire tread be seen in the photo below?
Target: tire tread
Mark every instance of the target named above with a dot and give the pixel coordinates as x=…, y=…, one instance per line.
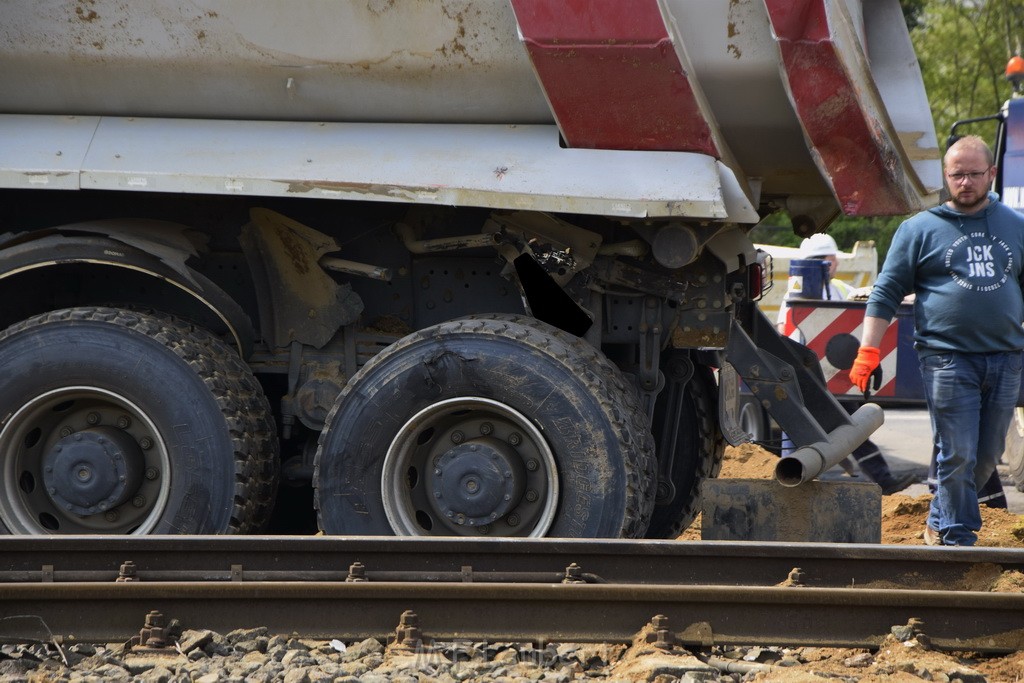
x=242, y=403
x=598, y=374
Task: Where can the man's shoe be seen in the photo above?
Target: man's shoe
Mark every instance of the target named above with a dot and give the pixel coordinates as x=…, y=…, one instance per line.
x=931, y=536
x=896, y=484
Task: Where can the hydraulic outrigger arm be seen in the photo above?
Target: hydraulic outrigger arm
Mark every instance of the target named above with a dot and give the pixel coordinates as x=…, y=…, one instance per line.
x=785, y=378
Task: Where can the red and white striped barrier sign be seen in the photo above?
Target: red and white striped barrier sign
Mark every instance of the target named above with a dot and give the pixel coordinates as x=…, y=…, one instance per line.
x=833, y=333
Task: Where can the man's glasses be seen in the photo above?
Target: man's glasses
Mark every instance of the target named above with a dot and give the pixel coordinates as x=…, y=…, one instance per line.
x=972, y=176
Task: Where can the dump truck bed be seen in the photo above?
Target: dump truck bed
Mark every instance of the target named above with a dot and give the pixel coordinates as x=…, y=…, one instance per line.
x=801, y=100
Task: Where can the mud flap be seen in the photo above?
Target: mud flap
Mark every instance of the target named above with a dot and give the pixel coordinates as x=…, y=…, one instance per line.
x=729, y=406
x=816, y=512
x=298, y=300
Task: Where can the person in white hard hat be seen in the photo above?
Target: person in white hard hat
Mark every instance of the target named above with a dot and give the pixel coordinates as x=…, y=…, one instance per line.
x=868, y=456
x=817, y=246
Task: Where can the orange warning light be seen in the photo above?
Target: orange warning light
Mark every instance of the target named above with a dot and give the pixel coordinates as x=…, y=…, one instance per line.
x=1015, y=71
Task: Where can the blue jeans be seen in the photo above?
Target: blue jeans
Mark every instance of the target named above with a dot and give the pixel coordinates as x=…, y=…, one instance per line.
x=970, y=398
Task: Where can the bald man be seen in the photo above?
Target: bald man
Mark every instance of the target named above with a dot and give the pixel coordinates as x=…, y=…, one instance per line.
x=963, y=259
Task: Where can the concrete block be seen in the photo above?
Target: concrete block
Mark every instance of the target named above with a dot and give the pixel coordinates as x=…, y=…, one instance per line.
x=816, y=511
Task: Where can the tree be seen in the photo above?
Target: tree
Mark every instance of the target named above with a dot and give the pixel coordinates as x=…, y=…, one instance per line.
x=962, y=47
x=912, y=12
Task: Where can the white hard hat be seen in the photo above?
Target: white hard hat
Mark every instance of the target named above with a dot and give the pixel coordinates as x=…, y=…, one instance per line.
x=818, y=244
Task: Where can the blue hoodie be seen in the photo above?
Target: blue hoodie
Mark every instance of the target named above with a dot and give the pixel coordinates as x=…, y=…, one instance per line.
x=966, y=270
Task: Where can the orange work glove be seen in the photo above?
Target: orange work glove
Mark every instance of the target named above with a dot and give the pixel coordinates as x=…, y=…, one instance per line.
x=866, y=363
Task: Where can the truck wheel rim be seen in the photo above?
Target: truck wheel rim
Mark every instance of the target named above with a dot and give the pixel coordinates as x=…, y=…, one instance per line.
x=82, y=460
x=750, y=421
x=469, y=466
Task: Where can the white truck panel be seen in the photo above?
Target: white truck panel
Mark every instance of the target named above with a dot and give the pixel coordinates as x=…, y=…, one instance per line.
x=456, y=62
x=44, y=152
x=514, y=167
x=450, y=60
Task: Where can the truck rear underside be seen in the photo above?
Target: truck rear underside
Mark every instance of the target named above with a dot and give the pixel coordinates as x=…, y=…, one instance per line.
x=449, y=268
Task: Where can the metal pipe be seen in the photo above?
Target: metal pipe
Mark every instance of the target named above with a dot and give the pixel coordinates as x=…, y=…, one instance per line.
x=729, y=666
x=807, y=462
x=355, y=268
x=405, y=233
x=634, y=248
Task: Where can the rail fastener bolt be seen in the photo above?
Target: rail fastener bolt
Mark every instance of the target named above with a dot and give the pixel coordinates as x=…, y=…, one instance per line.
x=573, y=574
x=661, y=636
x=156, y=636
x=127, y=572
x=356, y=573
x=408, y=636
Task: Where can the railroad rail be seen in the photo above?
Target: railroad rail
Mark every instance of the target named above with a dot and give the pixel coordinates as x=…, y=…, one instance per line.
x=101, y=589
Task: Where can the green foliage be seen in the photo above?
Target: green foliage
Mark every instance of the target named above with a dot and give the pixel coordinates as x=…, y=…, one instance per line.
x=848, y=230
x=776, y=229
x=962, y=47
x=912, y=12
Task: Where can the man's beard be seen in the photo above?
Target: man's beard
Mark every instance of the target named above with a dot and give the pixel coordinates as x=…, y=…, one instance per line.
x=962, y=206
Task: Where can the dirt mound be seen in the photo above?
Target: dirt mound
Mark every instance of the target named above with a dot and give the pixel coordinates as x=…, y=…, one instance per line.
x=748, y=461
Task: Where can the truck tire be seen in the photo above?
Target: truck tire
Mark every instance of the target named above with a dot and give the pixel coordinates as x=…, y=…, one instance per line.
x=492, y=425
x=698, y=453
x=1014, y=453
x=165, y=428
x=646, y=460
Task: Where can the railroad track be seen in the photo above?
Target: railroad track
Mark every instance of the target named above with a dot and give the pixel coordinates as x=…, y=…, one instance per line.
x=101, y=589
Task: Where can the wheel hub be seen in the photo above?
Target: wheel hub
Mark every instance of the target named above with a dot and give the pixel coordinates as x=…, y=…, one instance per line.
x=468, y=466
x=477, y=482
x=92, y=470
